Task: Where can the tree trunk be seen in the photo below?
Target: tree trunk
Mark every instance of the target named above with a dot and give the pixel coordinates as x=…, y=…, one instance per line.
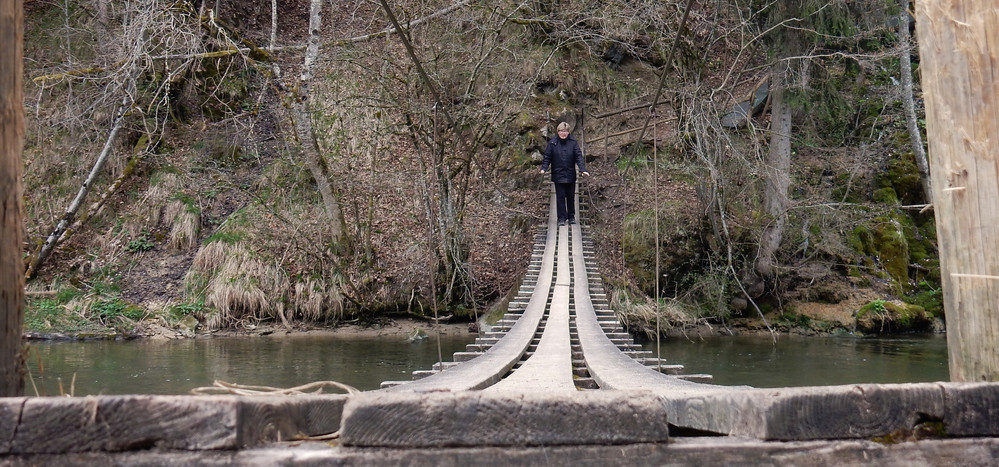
x=274, y=25
x=777, y=172
x=915, y=137
x=68, y=219
x=454, y=250
x=304, y=130
x=960, y=61
x=11, y=196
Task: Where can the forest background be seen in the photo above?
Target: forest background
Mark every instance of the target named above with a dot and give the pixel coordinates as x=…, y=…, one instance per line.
x=303, y=162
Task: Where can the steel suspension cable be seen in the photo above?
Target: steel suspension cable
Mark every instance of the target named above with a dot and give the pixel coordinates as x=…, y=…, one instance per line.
x=655, y=190
x=669, y=59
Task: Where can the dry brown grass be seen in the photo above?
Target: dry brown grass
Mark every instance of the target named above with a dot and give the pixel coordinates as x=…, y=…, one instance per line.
x=185, y=225
x=639, y=313
x=160, y=189
x=316, y=299
x=242, y=286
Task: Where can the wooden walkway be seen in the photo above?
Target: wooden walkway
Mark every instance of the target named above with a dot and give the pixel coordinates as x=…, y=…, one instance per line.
x=554, y=338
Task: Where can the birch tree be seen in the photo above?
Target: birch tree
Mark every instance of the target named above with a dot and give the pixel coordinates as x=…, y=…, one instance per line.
x=151, y=46
x=911, y=120
x=301, y=112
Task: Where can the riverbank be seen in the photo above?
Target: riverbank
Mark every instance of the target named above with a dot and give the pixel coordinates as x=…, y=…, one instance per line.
x=408, y=328
x=412, y=328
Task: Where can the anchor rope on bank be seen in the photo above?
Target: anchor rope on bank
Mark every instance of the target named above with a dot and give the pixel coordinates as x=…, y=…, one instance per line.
x=316, y=387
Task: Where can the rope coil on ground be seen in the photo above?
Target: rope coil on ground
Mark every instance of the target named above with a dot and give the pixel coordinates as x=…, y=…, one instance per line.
x=316, y=387
x=222, y=387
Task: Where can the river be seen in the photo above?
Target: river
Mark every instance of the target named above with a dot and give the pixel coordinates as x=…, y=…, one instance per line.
x=810, y=361
x=177, y=366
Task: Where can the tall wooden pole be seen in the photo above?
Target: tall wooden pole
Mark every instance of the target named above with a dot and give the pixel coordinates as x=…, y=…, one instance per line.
x=11, y=221
x=959, y=52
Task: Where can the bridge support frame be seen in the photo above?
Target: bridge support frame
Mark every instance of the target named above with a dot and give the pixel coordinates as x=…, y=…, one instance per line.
x=960, y=63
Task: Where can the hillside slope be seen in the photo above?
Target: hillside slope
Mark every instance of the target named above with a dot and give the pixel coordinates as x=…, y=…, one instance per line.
x=212, y=207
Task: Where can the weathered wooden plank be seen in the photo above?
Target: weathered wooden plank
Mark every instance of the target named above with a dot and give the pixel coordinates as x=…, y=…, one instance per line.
x=549, y=369
x=839, y=412
x=402, y=420
x=845, y=412
x=959, y=54
x=679, y=452
x=122, y=423
x=11, y=198
x=10, y=412
x=972, y=409
x=279, y=418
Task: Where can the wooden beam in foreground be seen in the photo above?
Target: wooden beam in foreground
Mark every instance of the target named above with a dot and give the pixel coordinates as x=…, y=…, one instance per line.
x=126, y=423
x=959, y=56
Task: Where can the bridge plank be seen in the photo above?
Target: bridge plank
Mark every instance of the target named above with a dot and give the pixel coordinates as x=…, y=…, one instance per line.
x=479, y=418
x=121, y=423
x=611, y=368
x=680, y=452
x=10, y=413
x=840, y=412
x=488, y=368
x=549, y=369
x=972, y=409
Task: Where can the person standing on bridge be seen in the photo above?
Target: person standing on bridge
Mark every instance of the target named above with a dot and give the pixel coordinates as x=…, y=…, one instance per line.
x=561, y=155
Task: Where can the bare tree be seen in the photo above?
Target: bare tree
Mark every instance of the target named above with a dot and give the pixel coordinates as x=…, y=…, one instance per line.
x=70, y=217
x=146, y=49
x=912, y=123
x=11, y=205
x=305, y=133
x=777, y=168
x=445, y=123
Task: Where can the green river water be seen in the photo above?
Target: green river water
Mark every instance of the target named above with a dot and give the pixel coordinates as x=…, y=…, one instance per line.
x=177, y=366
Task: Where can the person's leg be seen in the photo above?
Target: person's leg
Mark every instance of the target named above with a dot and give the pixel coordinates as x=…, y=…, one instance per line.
x=561, y=193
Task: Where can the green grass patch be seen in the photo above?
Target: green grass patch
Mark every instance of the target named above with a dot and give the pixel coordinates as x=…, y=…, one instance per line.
x=183, y=310
x=51, y=314
x=229, y=238
x=140, y=244
x=111, y=312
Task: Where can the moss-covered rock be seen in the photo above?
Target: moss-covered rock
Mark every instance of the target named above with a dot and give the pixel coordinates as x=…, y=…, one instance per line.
x=861, y=240
x=885, y=196
x=892, y=249
x=884, y=317
x=902, y=176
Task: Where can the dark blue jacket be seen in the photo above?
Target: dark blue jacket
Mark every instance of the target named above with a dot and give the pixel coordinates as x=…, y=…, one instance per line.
x=561, y=155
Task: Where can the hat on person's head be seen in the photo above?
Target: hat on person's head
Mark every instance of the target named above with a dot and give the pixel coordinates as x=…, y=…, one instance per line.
x=563, y=126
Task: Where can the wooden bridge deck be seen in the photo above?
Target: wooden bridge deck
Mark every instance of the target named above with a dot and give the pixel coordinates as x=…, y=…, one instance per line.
x=557, y=382
x=559, y=342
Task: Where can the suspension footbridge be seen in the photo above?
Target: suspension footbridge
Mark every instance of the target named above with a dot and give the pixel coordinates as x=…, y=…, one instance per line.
x=556, y=381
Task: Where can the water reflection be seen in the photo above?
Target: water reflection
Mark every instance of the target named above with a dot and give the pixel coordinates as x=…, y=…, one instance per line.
x=810, y=361
x=175, y=367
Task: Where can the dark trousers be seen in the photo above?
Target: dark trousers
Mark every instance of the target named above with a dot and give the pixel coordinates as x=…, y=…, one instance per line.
x=565, y=201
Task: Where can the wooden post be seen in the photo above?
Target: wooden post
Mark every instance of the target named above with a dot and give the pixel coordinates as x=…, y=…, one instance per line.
x=959, y=52
x=11, y=222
